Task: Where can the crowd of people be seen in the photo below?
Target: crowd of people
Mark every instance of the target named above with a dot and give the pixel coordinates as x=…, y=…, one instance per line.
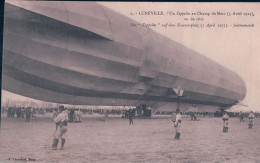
x=62, y=115
x=21, y=112
x=74, y=115
x=177, y=116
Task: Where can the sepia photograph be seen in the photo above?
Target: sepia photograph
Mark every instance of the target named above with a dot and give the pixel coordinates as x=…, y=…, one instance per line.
x=115, y=82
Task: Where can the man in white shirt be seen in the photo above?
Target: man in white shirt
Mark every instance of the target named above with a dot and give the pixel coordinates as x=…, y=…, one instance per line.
x=60, y=121
x=177, y=125
x=251, y=119
x=225, y=122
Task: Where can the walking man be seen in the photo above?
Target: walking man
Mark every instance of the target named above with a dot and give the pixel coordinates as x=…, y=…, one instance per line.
x=61, y=121
x=251, y=119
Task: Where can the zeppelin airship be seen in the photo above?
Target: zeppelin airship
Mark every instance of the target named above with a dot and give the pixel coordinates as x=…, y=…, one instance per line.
x=84, y=53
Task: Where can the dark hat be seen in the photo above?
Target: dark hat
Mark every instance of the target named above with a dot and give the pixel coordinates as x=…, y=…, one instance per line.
x=61, y=107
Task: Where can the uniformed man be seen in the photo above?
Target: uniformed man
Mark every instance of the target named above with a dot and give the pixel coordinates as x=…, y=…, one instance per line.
x=77, y=114
x=130, y=116
x=177, y=125
x=28, y=113
x=225, y=122
x=241, y=118
x=251, y=119
x=61, y=121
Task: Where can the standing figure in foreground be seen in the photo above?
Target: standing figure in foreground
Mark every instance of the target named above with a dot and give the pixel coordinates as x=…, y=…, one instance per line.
x=251, y=119
x=61, y=121
x=130, y=116
x=177, y=124
x=225, y=122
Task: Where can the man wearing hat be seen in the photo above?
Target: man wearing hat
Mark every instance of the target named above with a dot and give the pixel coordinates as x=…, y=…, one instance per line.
x=225, y=122
x=177, y=125
x=61, y=123
x=130, y=116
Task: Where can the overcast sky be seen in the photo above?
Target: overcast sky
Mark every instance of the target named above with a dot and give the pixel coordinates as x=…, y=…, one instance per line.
x=236, y=48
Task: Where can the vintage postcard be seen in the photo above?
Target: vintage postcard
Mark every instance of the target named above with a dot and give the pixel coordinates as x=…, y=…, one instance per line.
x=130, y=82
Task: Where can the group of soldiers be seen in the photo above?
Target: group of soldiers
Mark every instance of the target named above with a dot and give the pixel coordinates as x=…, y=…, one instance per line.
x=74, y=115
x=26, y=113
x=176, y=119
x=225, y=119
x=61, y=118
x=194, y=116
